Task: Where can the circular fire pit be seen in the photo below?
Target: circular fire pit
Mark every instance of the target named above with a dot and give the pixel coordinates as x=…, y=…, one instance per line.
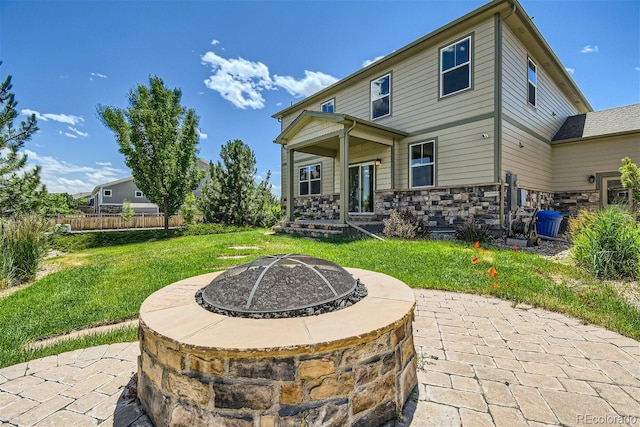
x=353, y=364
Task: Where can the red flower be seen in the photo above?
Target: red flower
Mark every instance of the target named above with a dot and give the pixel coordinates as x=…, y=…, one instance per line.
x=474, y=260
x=515, y=247
x=493, y=272
x=476, y=245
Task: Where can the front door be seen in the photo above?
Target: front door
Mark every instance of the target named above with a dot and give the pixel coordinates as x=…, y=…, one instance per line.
x=361, y=188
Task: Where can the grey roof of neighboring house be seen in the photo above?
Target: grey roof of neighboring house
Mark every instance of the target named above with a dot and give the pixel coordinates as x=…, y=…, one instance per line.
x=601, y=123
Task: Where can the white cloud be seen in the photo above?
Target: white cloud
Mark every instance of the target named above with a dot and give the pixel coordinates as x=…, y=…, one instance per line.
x=371, y=61
x=102, y=76
x=70, y=135
x=201, y=134
x=76, y=132
x=62, y=118
x=215, y=42
x=103, y=163
x=570, y=70
x=637, y=68
x=242, y=82
x=590, y=49
x=312, y=82
x=60, y=176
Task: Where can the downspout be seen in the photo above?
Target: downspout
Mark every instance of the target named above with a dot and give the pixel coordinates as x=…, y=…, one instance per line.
x=498, y=117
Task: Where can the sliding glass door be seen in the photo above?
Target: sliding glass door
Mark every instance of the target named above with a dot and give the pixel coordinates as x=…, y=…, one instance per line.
x=361, y=188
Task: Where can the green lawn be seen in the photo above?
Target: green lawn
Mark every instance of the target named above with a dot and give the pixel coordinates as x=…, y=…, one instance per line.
x=108, y=284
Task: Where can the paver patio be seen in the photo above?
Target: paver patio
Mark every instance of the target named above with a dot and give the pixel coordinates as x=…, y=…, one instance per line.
x=482, y=361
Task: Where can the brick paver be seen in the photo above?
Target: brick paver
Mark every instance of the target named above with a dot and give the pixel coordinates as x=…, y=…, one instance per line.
x=481, y=362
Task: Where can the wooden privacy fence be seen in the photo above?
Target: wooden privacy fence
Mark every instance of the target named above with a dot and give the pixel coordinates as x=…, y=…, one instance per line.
x=116, y=222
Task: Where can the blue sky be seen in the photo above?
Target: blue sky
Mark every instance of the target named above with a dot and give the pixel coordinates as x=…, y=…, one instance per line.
x=239, y=62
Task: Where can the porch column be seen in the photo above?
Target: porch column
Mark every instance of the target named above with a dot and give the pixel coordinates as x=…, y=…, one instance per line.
x=344, y=178
x=290, y=184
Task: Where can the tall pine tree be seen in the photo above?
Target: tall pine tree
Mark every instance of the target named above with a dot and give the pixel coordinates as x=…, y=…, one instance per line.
x=159, y=139
x=20, y=188
x=232, y=196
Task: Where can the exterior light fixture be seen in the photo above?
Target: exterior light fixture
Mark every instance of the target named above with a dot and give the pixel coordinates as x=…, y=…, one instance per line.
x=378, y=162
x=591, y=179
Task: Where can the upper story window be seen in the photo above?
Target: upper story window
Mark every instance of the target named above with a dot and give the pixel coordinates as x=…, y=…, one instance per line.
x=422, y=164
x=328, y=107
x=138, y=194
x=533, y=82
x=455, y=67
x=107, y=193
x=381, y=97
x=309, y=180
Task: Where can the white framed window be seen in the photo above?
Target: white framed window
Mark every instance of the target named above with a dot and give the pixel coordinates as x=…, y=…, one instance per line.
x=455, y=67
x=329, y=106
x=138, y=194
x=107, y=193
x=381, y=97
x=310, y=179
x=422, y=164
x=532, y=77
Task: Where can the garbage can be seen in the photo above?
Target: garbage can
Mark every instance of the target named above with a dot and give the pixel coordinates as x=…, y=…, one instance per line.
x=548, y=223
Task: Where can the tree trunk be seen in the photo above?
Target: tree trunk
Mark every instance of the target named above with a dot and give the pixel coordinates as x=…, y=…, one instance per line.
x=166, y=216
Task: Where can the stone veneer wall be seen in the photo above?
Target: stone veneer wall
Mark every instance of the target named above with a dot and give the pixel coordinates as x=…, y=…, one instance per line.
x=445, y=207
x=324, y=207
x=364, y=384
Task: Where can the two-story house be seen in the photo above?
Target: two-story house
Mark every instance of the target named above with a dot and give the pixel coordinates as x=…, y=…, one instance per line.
x=449, y=126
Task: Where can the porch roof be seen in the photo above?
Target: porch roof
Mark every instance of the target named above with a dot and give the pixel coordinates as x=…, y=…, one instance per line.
x=364, y=127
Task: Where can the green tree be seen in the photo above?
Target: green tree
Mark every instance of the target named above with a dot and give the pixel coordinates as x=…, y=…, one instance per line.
x=159, y=140
x=22, y=190
x=127, y=211
x=189, y=209
x=232, y=196
x=58, y=204
x=630, y=178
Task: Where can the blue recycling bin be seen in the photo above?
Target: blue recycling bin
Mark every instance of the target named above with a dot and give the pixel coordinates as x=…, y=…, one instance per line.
x=548, y=223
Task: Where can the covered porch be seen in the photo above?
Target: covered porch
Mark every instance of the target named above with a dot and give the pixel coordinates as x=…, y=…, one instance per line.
x=337, y=156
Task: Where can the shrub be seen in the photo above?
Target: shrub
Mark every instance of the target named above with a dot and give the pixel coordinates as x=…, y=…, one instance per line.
x=405, y=225
x=472, y=232
x=607, y=243
x=189, y=209
x=22, y=247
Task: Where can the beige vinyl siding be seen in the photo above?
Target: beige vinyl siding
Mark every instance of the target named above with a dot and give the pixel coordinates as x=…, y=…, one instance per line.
x=552, y=106
x=532, y=162
x=315, y=128
x=303, y=159
x=462, y=156
x=415, y=103
x=367, y=153
x=573, y=162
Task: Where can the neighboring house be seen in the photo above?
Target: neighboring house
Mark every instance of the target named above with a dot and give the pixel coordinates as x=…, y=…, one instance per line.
x=108, y=198
x=450, y=126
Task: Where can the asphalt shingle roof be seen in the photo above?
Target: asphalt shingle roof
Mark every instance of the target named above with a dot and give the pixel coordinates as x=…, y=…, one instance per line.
x=600, y=123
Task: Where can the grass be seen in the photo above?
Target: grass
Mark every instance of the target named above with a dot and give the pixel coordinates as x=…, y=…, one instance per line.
x=108, y=284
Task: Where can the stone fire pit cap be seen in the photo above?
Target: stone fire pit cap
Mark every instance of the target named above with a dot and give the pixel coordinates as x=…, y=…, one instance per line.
x=279, y=283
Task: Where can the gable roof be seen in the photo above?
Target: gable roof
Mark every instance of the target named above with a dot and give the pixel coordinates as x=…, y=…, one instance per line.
x=615, y=121
x=520, y=21
x=344, y=119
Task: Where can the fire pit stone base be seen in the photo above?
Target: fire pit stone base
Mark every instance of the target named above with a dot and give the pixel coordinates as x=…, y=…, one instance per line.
x=355, y=366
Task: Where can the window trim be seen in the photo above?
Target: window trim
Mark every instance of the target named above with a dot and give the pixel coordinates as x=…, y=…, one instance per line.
x=534, y=84
x=107, y=192
x=138, y=194
x=441, y=74
x=331, y=101
x=310, y=180
x=432, y=163
x=388, y=95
